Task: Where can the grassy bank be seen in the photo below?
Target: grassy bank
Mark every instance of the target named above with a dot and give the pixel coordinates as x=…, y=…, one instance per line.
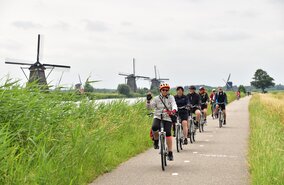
x=46, y=141
x=266, y=144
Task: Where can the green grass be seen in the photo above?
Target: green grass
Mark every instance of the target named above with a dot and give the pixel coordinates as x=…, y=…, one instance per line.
x=266, y=143
x=46, y=141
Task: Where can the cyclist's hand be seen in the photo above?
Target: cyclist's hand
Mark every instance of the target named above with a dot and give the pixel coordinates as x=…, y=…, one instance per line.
x=149, y=97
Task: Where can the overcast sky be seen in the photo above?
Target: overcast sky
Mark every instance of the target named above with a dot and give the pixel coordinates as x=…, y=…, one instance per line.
x=191, y=41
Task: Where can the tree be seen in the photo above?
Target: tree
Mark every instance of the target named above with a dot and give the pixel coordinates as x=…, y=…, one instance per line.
x=262, y=80
x=124, y=89
x=242, y=88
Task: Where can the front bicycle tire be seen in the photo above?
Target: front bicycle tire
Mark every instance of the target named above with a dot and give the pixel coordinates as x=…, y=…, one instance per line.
x=202, y=127
x=162, y=151
x=220, y=120
x=177, y=137
x=193, y=130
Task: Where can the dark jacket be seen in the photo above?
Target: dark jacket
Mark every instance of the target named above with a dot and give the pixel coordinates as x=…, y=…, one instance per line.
x=221, y=97
x=181, y=100
x=194, y=99
x=204, y=97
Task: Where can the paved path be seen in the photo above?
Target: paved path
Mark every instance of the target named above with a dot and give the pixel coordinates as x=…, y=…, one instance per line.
x=217, y=158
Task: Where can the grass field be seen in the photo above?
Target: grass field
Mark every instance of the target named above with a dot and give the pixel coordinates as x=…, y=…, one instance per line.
x=266, y=144
x=46, y=141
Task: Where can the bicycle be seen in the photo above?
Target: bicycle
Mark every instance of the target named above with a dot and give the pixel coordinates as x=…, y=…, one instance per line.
x=162, y=145
x=179, y=135
x=213, y=106
x=191, y=125
x=179, y=132
x=221, y=115
x=202, y=121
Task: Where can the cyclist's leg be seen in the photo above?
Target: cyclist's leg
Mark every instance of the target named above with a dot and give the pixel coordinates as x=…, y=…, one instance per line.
x=168, y=128
x=155, y=132
x=184, y=122
x=185, y=127
x=198, y=115
x=216, y=109
x=205, y=113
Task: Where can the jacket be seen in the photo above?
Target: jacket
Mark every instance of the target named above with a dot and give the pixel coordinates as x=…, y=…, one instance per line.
x=221, y=97
x=194, y=99
x=159, y=107
x=181, y=100
x=204, y=97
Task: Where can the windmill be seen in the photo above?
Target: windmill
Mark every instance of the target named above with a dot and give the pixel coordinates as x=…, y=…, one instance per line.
x=37, y=70
x=81, y=87
x=229, y=84
x=131, y=78
x=155, y=82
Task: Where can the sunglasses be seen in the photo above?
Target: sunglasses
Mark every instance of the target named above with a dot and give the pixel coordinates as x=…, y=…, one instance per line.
x=165, y=90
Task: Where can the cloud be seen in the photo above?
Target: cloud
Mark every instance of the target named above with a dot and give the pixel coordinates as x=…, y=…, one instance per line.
x=220, y=35
x=126, y=23
x=97, y=26
x=62, y=25
x=26, y=25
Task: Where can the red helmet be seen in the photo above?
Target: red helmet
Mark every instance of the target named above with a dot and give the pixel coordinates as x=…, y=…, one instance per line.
x=164, y=86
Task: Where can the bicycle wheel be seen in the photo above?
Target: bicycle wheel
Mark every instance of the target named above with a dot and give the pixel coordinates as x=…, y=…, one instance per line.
x=199, y=125
x=202, y=127
x=220, y=120
x=177, y=137
x=162, y=151
x=193, y=131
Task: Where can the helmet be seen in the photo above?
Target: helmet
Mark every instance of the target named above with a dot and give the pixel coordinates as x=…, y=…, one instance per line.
x=180, y=87
x=192, y=87
x=201, y=88
x=213, y=90
x=164, y=85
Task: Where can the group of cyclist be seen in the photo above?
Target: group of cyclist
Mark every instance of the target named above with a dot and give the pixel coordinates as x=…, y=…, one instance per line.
x=166, y=107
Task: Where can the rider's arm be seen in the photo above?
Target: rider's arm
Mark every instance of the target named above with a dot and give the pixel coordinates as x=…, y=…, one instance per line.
x=216, y=98
x=226, y=99
x=152, y=104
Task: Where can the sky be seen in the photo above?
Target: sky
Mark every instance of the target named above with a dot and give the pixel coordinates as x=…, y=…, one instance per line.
x=190, y=41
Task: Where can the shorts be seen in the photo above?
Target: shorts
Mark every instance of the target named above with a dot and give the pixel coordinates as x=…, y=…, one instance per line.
x=204, y=106
x=183, y=115
x=156, y=126
x=222, y=106
x=193, y=110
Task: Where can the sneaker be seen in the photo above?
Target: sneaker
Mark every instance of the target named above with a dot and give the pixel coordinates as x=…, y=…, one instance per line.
x=156, y=144
x=185, y=142
x=224, y=122
x=170, y=156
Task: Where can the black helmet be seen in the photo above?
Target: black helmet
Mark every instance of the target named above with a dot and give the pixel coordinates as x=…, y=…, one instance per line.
x=192, y=87
x=180, y=87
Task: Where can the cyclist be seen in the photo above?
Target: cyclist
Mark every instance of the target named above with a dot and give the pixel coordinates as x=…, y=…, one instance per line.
x=182, y=101
x=212, y=101
x=163, y=103
x=194, y=101
x=221, y=101
x=238, y=94
x=204, y=101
